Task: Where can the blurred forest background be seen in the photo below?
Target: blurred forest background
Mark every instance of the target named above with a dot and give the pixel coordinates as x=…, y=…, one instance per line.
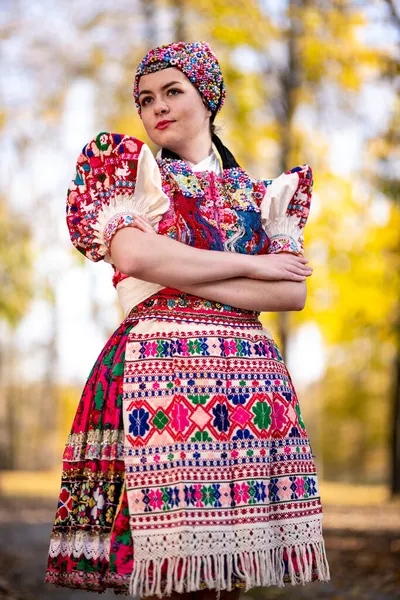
x=309, y=81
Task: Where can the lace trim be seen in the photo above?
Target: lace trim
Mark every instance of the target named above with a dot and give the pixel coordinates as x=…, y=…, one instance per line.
x=256, y=552
x=95, y=445
x=96, y=436
x=91, y=546
x=284, y=234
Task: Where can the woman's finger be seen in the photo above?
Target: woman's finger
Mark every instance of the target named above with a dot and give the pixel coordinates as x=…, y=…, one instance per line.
x=143, y=224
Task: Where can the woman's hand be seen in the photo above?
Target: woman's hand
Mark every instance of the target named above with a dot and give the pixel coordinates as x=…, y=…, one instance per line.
x=279, y=267
x=143, y=224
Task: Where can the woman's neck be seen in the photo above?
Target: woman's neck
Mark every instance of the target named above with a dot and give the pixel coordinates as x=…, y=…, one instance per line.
x=194, y=151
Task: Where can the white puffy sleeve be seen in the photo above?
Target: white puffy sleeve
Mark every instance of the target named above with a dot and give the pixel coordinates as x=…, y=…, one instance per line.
x=285, y=208
x=117, y=178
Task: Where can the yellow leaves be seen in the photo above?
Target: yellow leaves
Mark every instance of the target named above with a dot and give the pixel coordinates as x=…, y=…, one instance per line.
x=16, y=259
x=354, y=286
x=234, y=23
x=349, y=79
x=331, y=47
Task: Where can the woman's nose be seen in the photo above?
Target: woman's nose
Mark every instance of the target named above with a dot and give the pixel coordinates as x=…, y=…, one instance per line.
x=160, y=108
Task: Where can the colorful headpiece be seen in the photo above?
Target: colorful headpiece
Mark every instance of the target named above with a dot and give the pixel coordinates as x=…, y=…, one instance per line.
x=196, y=60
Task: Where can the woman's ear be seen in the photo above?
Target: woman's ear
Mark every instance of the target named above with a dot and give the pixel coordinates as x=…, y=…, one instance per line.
x=208, y=111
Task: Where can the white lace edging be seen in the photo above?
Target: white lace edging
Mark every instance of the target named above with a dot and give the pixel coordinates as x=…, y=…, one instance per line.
x=283, y=226
x=255, y=553
x=148, y=199
x=92, y=546
x=287, y=226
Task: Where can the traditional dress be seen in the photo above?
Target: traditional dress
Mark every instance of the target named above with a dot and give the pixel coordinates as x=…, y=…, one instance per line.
x=188, y=464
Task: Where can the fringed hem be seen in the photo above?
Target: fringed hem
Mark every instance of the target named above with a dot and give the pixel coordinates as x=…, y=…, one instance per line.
x=261, y=568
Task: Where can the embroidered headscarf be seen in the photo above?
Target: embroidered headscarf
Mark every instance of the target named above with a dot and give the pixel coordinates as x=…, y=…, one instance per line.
x=196, y=60
x=200, y=65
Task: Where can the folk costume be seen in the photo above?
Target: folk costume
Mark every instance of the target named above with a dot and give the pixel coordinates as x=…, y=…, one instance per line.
x=188, y=464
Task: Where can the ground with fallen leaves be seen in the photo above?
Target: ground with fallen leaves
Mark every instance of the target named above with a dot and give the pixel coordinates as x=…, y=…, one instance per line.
x=362, y=542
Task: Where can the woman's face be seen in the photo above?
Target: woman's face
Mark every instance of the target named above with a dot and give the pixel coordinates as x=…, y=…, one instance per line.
x=172, y=109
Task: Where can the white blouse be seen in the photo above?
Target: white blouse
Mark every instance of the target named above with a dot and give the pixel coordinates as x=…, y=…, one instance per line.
x=131, y=291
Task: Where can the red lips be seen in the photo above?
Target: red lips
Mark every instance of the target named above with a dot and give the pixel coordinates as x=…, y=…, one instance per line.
x=163, y=124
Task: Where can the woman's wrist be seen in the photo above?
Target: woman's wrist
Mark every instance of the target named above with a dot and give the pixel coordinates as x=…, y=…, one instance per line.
x=242, y=264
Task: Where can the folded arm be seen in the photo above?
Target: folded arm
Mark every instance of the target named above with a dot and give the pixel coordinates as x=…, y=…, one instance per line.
x=262, y=283
x=253, y=294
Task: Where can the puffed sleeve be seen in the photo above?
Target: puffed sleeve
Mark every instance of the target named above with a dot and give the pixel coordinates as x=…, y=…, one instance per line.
x=285, y=208
x=116, y=178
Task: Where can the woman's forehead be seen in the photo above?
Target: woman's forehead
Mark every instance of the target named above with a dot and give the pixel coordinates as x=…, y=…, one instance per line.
x=158, y=79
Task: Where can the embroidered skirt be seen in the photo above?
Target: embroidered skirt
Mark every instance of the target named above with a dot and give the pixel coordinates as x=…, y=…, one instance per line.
x=188, y=464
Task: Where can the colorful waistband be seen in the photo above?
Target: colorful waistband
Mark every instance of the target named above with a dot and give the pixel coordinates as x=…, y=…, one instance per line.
x=171, y=304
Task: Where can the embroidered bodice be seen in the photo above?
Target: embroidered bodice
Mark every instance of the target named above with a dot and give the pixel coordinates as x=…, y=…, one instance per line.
x=200, y=205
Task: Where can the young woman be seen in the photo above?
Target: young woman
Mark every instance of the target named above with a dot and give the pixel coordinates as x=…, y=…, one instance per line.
x=188, y=471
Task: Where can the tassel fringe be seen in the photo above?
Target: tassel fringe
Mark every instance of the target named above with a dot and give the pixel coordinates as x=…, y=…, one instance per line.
x=260, y=568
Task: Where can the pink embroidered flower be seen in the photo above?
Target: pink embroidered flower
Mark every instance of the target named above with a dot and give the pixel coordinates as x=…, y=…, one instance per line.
x=285, y=491
x=198, y=495
x=225, y=492
x=156, y=385
x=151, y=349
x=287, y=449
x=184, y=348
x=234, y=453
x=230, y=347
x=131, y=146
x=137, y=501
x=278, y=415
x=155, y=498
x=241, y=492
x=300, y=486
x=179, y=414
x=157, y=458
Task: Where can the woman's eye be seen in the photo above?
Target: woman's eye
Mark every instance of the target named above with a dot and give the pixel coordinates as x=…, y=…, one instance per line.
x=174, y=91
x=145, y=100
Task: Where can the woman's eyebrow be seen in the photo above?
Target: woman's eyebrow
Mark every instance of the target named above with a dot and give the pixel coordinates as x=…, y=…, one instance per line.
x=164, y=87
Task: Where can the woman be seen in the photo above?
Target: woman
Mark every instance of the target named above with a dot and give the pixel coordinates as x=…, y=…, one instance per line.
x=188, y=467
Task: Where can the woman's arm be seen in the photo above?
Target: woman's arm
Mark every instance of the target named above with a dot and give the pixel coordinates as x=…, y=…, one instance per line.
x=253, y=294
x=162, y=260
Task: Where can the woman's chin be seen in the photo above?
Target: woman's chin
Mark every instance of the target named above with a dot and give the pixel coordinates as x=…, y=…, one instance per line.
x=171, y=142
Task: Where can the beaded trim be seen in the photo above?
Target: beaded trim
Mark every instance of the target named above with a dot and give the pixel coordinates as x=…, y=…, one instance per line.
x=169, y=305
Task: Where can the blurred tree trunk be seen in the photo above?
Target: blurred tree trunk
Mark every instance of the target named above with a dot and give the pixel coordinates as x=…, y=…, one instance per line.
x=11, y=407
x=149, y=8
x=392, y=138
x=48, y=407
x=290, y=80
x=179, y=21
x=395, y=437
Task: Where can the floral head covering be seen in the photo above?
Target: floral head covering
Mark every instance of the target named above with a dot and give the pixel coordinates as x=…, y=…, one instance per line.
x=196, y=60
